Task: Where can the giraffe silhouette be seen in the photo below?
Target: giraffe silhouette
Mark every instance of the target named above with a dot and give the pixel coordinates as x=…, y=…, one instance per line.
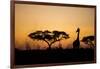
x=76, y=43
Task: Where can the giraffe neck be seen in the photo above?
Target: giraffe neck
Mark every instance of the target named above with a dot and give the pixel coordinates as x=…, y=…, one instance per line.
x=78, y=35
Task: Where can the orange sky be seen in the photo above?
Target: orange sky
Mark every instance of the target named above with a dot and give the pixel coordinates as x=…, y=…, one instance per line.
x=29, y=18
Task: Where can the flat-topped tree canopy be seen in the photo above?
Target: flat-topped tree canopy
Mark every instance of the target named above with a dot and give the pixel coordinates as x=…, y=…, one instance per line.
x=88, y=40
x=49, y=37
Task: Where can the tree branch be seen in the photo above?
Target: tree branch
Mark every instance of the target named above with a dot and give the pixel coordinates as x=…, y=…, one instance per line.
x=47, y=42
x=54, y=41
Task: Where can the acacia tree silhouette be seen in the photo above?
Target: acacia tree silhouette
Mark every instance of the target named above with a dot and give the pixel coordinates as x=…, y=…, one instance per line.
x=88, y=40
x=49, y=37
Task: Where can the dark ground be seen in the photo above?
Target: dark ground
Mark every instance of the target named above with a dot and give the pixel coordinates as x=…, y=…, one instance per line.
x=53, y=56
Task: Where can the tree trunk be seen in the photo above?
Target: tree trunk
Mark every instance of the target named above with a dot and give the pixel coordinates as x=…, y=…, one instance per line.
x=49, y=47
x=48, y=44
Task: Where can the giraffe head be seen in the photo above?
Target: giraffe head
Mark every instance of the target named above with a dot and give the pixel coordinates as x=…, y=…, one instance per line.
x=78, y=30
